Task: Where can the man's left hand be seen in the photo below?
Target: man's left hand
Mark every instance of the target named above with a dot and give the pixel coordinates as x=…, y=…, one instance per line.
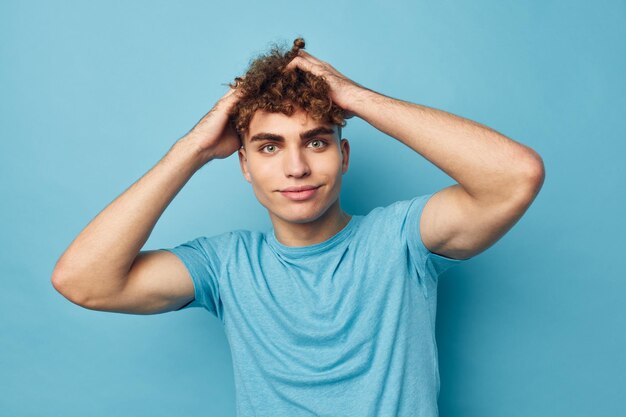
x=343, y=91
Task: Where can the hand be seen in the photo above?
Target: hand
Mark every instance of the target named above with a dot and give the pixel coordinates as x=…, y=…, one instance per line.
x=343, y=91
x=214, y=135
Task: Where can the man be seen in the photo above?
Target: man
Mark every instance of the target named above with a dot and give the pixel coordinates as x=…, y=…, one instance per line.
x=328, y=314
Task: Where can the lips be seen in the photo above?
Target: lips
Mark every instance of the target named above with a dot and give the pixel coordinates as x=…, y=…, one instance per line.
x=299, y=193
x=300, y=188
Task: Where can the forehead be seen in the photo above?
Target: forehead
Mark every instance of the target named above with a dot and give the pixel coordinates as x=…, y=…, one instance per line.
x=281, y=124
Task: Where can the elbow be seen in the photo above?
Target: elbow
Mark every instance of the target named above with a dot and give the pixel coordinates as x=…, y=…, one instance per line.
x=530, y=180
x=68, y=289
x=535, y=173
x=59, y=283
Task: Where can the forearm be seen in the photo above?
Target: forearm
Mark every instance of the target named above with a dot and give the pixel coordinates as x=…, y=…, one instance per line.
x=485, y=163
x=99, y=258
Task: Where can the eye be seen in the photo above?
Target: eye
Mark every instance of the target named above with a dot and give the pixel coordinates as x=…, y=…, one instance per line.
x=321, y=143
x=268, y=146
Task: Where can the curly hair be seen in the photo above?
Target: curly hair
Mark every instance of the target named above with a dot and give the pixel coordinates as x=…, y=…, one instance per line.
x=265, y=86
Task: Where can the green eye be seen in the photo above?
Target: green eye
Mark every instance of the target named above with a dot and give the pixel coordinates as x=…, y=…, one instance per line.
x=267, y=147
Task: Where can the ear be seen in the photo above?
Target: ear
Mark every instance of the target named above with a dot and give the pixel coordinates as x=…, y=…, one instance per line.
x=345, y=155
x=243, y=163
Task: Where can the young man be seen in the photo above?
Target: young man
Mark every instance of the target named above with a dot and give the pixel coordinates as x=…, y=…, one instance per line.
x=327, y=314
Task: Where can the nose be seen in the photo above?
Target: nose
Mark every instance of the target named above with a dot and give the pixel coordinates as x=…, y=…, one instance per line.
x=295, y=163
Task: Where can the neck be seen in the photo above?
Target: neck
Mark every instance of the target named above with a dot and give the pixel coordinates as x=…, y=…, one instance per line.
x=304, y=234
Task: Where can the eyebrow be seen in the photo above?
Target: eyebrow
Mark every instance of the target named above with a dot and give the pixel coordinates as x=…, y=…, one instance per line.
x=322, y=130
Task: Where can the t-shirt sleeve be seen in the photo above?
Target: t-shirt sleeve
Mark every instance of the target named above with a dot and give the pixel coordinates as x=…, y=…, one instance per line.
x=203, y=258
x=429, y=265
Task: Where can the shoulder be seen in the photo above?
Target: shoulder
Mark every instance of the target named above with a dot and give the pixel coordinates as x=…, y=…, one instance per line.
x=211, y=245
x=391, y=220
x=397, y=211
x=238, y=240
x=246, y=236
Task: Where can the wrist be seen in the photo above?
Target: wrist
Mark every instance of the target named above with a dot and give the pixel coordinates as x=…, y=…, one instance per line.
x=361, y=98
x=187, y=152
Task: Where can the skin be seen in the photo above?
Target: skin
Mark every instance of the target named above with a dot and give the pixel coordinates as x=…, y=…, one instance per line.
x=270, y=166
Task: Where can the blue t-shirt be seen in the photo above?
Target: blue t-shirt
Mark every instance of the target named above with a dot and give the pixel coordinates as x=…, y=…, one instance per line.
x=345, y=327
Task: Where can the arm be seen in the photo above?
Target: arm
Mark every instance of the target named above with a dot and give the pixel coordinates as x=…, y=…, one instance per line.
x=497, y=177
x=103, y=268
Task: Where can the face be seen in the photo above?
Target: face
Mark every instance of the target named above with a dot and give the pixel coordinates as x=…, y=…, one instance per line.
x=281, y=152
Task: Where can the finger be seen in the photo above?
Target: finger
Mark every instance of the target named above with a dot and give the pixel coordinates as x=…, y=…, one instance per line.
x=303, y=64
x=308, y=57
x=233, y=93
x=303, y=53
x=295, y=62
x=227, y=102
x=228, y=96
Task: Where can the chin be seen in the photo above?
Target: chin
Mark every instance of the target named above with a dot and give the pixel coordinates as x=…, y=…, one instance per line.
x=298, y=215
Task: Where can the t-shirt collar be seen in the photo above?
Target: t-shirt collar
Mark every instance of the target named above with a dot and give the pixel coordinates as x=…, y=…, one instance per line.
x=315, y=248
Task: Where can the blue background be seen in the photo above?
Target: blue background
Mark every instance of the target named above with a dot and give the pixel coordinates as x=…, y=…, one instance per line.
x=93, y=94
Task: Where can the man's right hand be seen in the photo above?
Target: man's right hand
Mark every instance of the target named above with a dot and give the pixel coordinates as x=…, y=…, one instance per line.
x=214, y=135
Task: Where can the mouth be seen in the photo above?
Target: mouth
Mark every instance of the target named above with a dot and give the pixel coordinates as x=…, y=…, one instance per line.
x=300, y=193
x=300, y=188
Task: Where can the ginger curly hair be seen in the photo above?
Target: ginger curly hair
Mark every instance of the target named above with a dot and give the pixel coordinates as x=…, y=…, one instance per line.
x=266, y=87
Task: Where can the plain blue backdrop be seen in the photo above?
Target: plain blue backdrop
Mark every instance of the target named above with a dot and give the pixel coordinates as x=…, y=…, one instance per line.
x=93, y=94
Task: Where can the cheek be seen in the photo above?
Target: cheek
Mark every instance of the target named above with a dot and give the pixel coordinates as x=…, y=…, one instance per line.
x=330, y=167
x=262, y=173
